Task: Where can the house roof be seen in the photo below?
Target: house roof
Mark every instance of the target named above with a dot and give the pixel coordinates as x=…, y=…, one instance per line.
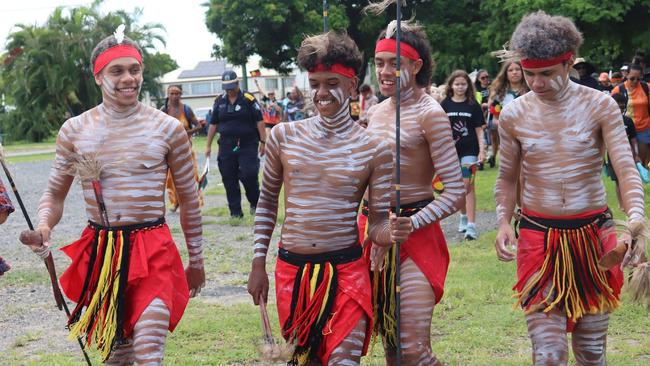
x=204, y=69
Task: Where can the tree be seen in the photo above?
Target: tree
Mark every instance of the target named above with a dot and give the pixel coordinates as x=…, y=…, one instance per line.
x=274, y=29
x=47, y=74
x=462, y=32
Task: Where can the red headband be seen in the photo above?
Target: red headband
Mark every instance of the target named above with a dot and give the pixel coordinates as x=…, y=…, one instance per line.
x=348, y=72
x=390, y=45
x=536, y=64
x=121, y=50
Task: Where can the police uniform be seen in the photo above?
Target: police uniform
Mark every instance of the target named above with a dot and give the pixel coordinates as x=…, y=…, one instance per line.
x=238, y=147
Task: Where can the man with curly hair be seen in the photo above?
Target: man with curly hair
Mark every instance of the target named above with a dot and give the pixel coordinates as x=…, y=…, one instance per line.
x=554, y=139
x=325, y=164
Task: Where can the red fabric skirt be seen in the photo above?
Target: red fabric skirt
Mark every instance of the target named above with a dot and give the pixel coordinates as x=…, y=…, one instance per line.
x=155, y=271
x=427, y=248
x=351, y=302
x=531, y=255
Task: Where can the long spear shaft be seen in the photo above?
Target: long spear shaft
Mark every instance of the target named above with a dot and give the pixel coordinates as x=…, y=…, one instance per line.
x=49, y=261
x=326, y=22
x=398, y=82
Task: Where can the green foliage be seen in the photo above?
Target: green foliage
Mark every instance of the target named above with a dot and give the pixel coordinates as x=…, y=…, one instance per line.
x=462, y=33
x=47, y=74
x=274, y=29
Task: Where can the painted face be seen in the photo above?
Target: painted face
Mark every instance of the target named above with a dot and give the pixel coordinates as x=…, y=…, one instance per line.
x=385, y=66
x=459, y=86
x=329, y=91
x=546, y=82
x=174, y=94
x=121, y=80
x=514, y=73
x=633, y=77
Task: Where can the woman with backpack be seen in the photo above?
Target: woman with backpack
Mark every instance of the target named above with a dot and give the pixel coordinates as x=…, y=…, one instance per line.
x=636, y=92
x=182, y=112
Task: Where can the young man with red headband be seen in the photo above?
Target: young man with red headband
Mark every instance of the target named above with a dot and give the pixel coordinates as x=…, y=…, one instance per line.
x=552, y=143
x=126, y=274
x=427, y=147
x=325, y=164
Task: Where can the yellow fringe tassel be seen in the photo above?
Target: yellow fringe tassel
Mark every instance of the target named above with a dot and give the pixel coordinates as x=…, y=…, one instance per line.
x=106, y=328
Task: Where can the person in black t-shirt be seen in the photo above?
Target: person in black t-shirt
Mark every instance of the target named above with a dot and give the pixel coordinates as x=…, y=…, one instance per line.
x=467, y=123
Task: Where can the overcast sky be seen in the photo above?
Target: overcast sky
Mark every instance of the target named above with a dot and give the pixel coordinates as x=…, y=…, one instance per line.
x=188, y=39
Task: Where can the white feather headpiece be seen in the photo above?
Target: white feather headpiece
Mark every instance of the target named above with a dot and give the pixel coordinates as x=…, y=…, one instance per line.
x=119, y=33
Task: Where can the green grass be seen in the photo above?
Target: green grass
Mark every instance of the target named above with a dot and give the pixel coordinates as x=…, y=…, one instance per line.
x=475, y=324
x=12, y=146
x=30, y=158
x=21, y=277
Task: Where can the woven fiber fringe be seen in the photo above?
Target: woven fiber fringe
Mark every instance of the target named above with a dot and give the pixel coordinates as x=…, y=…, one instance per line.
x=313, y=296
x=383, y=300
x=571, y=275
x=103, y=294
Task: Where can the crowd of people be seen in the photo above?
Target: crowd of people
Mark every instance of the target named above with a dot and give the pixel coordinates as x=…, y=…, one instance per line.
x=335, y=160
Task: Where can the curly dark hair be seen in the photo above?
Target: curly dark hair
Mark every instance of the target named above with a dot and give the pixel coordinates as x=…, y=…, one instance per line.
x=328, y=49
x=541, y=36
x=415, y=36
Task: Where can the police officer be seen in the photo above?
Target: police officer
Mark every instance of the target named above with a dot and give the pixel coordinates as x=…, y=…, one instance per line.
x=237, y=117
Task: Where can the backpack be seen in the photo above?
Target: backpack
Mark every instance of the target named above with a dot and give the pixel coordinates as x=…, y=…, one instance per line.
x=623, y=92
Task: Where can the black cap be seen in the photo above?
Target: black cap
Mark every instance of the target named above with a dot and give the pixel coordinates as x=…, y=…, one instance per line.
x=229, y=80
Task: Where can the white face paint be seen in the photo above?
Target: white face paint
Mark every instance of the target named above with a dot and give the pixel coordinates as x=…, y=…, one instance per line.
x=110, y=93
x=557, y=83
x=405, y=78
x=338, y=94
x=109, y=89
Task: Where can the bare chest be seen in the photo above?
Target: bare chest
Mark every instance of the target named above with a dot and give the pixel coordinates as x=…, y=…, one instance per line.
x=337, y=163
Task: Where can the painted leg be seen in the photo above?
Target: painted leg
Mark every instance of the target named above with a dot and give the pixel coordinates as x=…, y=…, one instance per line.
x=547, y=333
x=121, y=356
x=417, y=301
x=589, y=340
x=348, y=353
x=150, y=334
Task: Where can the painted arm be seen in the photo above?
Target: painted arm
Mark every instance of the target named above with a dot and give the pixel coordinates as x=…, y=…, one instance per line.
x=437, y=133
x=266, y=216
x=182, y=172
x=622, y=160
x=267, y=207
x=506, y=182
x=379, y=195
x=50, y=208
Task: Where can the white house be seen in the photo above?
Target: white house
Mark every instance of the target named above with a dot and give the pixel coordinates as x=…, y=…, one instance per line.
x=202, y=84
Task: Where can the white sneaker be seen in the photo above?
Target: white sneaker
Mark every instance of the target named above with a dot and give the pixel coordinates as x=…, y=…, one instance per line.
x=462, y=225
x=470, y=232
